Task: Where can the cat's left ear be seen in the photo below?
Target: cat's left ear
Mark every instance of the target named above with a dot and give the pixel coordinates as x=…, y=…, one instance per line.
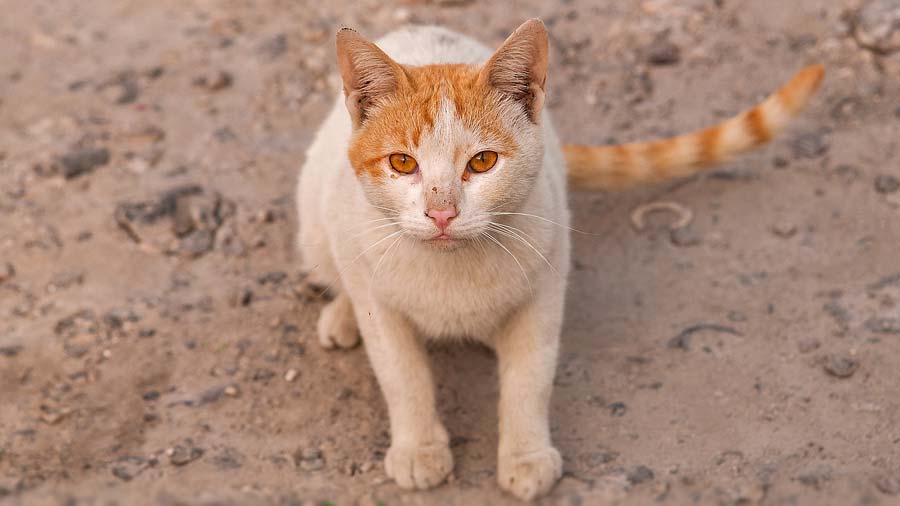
x=519, y=68
x=368, y=73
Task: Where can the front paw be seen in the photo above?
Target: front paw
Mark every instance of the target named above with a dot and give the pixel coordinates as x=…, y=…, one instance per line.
x=337, y=324
x=531, y=474
x=419, y=467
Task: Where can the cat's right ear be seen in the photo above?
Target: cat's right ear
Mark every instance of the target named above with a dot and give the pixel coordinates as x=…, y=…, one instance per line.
x=368, y=73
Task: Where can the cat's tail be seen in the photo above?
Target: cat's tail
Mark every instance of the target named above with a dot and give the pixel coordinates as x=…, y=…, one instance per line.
x=620, y=166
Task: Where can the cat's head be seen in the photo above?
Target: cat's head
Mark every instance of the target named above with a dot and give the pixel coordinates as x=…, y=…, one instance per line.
x=441, y=147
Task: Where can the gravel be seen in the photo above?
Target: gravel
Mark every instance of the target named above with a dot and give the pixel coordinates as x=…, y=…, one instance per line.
x=127, y=468
x=663, y=52
x=181, y=455
x=618, y=409
x=884, y=325
x=886, y=183
x=10, y=351
x=889, y=485
x=274, y=47
x=877, y=26
x=309, y=459
x=683, y=339
x=784, y=230
x=640, y=474
x=7, y=272
x=840, y=367
x=82, y=161
x=810, y=145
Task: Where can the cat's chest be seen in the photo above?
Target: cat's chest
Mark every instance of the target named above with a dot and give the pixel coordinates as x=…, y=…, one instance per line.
x=466, y=296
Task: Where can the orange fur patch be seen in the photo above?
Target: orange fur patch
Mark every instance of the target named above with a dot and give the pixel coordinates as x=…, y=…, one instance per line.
x=709, y=145
x=756, y=125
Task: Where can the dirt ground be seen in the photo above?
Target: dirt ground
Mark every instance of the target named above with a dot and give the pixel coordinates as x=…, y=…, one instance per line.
x=157, y=340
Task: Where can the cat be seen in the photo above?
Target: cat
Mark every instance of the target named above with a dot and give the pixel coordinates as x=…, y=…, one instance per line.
x=432, y=205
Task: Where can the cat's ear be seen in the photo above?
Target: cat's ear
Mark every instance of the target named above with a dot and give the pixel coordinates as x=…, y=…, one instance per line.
x=369, y=74
x=519, y=68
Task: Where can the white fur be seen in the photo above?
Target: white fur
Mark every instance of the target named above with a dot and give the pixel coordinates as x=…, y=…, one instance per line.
x=400, y=290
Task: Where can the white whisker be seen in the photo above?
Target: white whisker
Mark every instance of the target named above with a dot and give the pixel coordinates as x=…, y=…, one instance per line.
x=548, y=221
x=525, y=274
x=383, y=255
x=514, y=233
x=376, y=243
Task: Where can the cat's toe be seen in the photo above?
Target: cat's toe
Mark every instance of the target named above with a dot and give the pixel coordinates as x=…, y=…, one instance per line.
x=419, y=467
x=529, y=475
x=337, y=324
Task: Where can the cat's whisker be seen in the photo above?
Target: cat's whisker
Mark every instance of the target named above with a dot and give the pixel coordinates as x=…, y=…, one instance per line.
x=372, y=229
x=548, y=221
x=521, y=268
x=516, y=233
x=369, y=222
x=383, y=255
x=501, y=204
x=357, y=257
x=396, y=212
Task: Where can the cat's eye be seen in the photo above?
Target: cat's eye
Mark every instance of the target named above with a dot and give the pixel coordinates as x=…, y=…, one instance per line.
x=403, y=164
x=482, y=162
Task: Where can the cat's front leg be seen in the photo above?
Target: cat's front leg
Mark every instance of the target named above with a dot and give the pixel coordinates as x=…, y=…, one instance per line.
x=528, y=465
x=419, y=456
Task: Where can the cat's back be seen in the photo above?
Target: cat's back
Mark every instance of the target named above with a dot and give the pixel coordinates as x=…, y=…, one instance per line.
x=427, y=45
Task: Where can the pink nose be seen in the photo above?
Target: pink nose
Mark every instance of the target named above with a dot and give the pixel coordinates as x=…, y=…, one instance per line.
x=442, y=217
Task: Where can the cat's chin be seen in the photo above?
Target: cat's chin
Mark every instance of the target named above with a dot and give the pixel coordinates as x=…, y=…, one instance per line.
x=445, y=242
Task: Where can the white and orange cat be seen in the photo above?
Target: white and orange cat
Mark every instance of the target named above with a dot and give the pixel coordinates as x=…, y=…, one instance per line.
x=433, y=204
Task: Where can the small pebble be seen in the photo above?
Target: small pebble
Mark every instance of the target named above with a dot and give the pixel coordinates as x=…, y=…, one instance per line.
x=183, y=455
x=877, y=26
x=10, y=351
x=274, y=47
x=214, y=81
x=889, y=485
x=841, y=367
x=885, y=183
x=684, y=237
x=810, y=145
x=290, y=375
x=640, y=474
x=7, y=272
x=618, y=409
x=808, y=345
x=784, y=230
x=82, y=161
x=663, y=52
x=780, y=162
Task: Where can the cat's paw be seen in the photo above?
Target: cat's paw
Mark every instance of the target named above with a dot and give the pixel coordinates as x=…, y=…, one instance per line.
x=529, y=475
x=337, y=324
x=419, y=467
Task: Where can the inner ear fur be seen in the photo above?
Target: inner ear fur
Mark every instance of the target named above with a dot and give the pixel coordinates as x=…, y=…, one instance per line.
x=518, y=69
x=369, y=75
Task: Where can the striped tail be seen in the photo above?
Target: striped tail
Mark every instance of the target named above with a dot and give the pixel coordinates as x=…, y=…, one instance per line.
x=620, y=166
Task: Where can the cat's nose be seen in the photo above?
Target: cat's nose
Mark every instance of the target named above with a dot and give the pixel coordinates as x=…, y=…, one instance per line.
x=442, y=217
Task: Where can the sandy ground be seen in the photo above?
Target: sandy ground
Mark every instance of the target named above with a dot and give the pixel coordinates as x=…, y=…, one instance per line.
x=156, y=336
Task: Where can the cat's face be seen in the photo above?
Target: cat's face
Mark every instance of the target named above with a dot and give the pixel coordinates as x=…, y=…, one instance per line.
x=441, y=148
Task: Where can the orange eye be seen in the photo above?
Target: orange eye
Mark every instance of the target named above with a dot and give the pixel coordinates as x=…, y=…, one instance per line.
x=483, y=162
x=403, y=164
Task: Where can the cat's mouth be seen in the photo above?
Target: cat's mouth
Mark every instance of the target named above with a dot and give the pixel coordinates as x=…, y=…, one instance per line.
x=444, y=241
